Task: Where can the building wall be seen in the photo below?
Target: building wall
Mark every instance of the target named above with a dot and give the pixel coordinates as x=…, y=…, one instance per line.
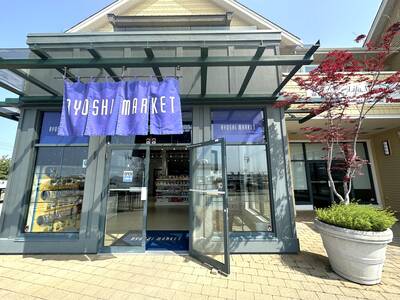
x=388, y=167
x=175, y=7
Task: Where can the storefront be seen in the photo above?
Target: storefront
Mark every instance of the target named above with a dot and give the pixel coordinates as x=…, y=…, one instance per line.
x=310, y=179
x=221, y=187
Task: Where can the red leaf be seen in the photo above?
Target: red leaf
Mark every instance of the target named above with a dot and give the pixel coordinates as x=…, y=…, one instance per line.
x=360, y=38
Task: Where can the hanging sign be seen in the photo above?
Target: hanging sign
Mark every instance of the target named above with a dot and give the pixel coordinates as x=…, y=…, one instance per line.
x=121, y=108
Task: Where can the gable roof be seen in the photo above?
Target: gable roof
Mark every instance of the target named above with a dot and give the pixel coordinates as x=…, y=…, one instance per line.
x=240, y=10
x=387, y=12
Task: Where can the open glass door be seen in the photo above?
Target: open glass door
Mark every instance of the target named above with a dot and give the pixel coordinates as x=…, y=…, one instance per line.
x=208, y=205
x=125, y=217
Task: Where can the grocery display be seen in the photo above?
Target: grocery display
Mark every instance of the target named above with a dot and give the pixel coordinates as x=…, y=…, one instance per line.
x=172, y=190
x=56, y=205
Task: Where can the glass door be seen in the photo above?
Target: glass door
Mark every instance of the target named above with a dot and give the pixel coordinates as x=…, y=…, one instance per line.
x=125, y=217
x=208, y=205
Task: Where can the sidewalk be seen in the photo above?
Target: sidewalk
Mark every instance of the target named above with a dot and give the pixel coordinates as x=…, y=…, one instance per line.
x=303, y=276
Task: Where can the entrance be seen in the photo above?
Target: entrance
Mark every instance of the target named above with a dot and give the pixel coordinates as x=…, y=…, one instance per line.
x=126, y=205
x=168, y=204
x=168, y=199
x=209, y=240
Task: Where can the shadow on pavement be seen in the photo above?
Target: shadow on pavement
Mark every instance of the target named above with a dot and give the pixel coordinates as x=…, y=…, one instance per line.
x=71, y=257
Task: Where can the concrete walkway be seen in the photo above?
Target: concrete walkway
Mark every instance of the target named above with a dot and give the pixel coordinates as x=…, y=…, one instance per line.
x=303, y=276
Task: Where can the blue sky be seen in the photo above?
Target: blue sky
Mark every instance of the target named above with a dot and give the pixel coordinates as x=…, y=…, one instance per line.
x=335, y=22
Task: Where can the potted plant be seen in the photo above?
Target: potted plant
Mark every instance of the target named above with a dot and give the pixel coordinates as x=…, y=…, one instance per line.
x=355, y=238
x=349, y=87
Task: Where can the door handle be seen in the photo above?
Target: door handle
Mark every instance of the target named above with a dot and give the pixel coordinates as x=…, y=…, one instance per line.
x=208, y=192
x=143, y=194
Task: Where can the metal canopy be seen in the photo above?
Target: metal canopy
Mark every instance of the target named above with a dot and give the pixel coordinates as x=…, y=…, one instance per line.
x=44, y=56
x=110, y=72
x=204, y=61
x=224, y=61
x=10, y=113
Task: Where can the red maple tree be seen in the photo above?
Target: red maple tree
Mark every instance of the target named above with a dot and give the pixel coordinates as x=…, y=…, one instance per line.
x=334, y=81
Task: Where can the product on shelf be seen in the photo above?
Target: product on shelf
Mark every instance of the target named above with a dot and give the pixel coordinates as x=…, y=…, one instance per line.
x=172, y=190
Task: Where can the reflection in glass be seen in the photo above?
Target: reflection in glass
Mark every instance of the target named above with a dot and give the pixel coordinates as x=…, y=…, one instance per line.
x=57, y=191
x=362, y=189
x=208, y=195
x=300, y=187
x=124, y=219
x=248, y=188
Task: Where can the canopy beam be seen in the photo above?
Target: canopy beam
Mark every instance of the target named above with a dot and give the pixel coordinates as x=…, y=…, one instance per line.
x=204, y=73
x=150, y=55
x=45, y=56
x=36, y=82
x=11, y=89
x=82, y=63
x=186, y=99
x=298, y=66
x=109, y=71
x=260, y=51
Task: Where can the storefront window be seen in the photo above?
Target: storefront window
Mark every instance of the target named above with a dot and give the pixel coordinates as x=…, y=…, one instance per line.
x=299, y=174
x=311, y=162
x=49, y=129
x=248, y=188
x=247, y=167
x=58, y=185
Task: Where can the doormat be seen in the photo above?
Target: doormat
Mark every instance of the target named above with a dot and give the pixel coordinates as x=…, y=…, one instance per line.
x=131, y=238
x=167, y=240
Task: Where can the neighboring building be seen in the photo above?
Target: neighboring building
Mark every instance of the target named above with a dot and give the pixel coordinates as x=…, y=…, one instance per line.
x=379, y=182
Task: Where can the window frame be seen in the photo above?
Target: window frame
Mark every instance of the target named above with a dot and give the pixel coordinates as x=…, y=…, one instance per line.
x=308, y=175
x=33, y=236
x=254, y=235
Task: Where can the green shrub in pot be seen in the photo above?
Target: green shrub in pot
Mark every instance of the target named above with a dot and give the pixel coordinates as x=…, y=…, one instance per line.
x=357, y=217
x=355, y=238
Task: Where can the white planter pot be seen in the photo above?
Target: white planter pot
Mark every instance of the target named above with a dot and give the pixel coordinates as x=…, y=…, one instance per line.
x=355, y=255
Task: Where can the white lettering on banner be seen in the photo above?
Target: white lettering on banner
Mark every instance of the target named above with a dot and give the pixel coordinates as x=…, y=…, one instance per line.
x=105, y=107
x=77, y=107
x=172, y=99
x=95, y=107
x=134, y=106
x=112, y=106
x=69, y=106
x=126, y=107
x=162, y=104
x=143, y=109
x=85, y=109
x=153, y=105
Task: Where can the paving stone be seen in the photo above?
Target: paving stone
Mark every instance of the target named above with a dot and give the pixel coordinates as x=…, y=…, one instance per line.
x=305, y=276
x=242, y=295
x=307, y=295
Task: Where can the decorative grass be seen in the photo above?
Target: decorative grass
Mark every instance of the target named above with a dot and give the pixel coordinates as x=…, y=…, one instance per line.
x=357, y=217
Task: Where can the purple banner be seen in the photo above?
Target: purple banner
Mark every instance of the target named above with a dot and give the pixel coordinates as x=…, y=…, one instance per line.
x=239, y=125
x=165, y=108
x=73, y=117
x=103, y=98
x=121, y=108
x=137, y=103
